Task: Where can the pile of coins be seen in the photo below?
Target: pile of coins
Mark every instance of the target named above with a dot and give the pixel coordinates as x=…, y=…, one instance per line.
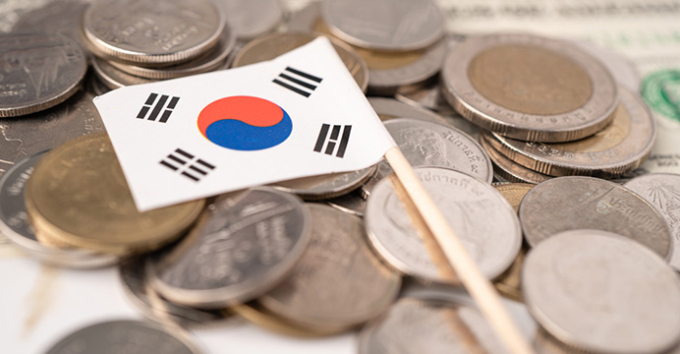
x=593, y=261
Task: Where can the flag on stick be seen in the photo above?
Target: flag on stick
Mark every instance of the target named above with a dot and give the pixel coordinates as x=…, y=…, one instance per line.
x=299, y=115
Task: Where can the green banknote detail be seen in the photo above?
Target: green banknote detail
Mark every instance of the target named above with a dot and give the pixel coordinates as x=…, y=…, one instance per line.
x=661, y=91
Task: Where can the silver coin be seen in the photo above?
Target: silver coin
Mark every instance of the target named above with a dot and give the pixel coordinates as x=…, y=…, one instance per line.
x=424, y=143
x=467, y=203
x=388, y=72
x=389, y=108
x=252, y=18
x=395, y=25
x=114, y=78
x=15, y=225
x=338, y=283
x=427, y=95
x=414, y=326
x=125, y=336
x=28, y=135
x=132, y=274
x=352, y=203
x=619, y=148
x=305, y=19
x=529, y=88
x=56, y=17
x=326, y=186
x=570, y=203
x=94, y=86
x=662, y=190
x=236, y=252
x=151, y=32
x=508, y=170
x=600, y=292
x=39, y=71
x=213, y=60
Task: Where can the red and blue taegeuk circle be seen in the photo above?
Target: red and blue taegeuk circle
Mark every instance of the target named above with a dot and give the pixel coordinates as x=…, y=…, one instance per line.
x=244, y=123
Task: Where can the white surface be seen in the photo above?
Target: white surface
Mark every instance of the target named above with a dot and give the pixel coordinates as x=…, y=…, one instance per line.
x=140, y=144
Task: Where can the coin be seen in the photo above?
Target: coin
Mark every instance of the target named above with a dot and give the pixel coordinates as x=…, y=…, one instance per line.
x=210, y=61
x=514, y=193
x=236, y=252
x=94, y=86
x=414, y=326
x=39, y=71
x=570, y=203
x=509, y=170
x=132, y=273
x=114, y=78
x=272, y=45
x=389, y=108
x=425, y=143
x=600, y=292
x=467, y=203
x=662, y=190
x=326, y=186
x=260, y=316
x=620, y=147
x=252, y=18
x=622, y=69
x=529, y=88
x=338, y=283
x=27, y=135
x=150, y=32
x=427, y=95
x=390, y=25
x=304, y=19
x=125, y=336
x=56, y=17
x=78, y=194
x=352, y=203
x=15, y=226
x=509, y=284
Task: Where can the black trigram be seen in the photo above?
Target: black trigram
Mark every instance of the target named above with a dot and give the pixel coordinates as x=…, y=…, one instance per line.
x=298, y=81
x=187, y=165
x=333, y=139
x=158, y=107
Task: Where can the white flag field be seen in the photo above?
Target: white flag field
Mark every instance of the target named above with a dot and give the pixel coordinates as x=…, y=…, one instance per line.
x=299, y=115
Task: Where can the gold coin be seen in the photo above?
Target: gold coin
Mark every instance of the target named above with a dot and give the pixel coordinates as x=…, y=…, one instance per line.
x=514, y=192
x=271, y=46
x=258, y=315
x=509, y=283
x=78, y=195
x=376, y=60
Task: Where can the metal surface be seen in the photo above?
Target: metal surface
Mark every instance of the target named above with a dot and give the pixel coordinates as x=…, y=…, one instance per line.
x=571, y=203
x=125, y=336
x=39, y=71
x=529, y=87
x=236, y=252
x=414, y=326
x=467, y=203
x=508, y=169
x=252, y=18
x=326, y=186
x=393, y=25
x=24, y=136
x=78, y=195
x=150, y=32
x=662, y=190
x=601, y=292
x=338, y=283
x=620, y=147
x=14, y=223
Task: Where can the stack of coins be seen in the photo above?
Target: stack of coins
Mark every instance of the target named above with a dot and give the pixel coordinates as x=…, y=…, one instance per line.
x=137, y=42
x=547, y=108
x=316, y=256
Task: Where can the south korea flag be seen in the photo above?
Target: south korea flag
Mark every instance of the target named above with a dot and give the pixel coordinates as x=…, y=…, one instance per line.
x=299, y=115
